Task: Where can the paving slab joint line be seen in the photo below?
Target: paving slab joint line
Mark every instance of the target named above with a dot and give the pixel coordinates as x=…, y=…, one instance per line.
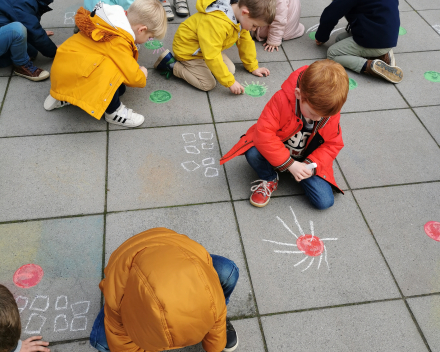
x=6, y=92
x=419, y=329
x=60, y=342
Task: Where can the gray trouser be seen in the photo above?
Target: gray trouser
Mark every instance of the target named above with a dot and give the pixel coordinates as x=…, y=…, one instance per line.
x=351, y=55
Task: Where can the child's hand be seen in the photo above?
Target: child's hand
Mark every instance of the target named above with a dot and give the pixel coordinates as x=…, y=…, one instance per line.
x=144, y=70
x=236, y=88
x=49, y=33
x=269, y=48
x=318, y=42
x=33, y=344
x=260, y=72
x=299, y=171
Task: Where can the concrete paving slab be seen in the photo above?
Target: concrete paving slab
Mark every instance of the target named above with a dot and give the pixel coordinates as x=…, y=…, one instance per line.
x=313, y=8
x=433, y=18
x=82, y=346
x=262, y=56
x=229, y=107
x=384, y=326
x=64, y=303
x=33, y=119
x=188, y=105
x=377, y=153
x=50, y=176
x=62, y=14
x=305, y=48
x=163, y=167
x=404, y=6
x=3, y=85
x=5, y=71
x=212, y=225
x=419, y=35
x=397, y=216
x=427, y=313
x=344, y=267
x=429, y=117
x=424, y=4
x=415, y=88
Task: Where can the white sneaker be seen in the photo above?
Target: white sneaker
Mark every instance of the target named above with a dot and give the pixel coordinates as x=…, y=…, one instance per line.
x=169, y=11
x=181, y=7
x=125, y=117
x=51, y=103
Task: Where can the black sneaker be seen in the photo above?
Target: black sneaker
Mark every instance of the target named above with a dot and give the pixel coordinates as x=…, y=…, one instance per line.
x=231, y=337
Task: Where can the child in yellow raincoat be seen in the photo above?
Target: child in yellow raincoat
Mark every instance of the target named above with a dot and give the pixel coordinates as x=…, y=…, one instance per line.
x=92, y=68
x=201, y=39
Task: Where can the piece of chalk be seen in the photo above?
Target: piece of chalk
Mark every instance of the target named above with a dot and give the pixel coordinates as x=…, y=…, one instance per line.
x=311, y=166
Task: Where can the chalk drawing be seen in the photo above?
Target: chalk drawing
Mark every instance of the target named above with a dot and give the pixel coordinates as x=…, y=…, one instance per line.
x=34, y=324
x=160, y=96
x=78, y=323
x=189, y=137
x=155, y=45
x=28, y=275
x=207, y=161
x=307, y=244
x=402, y=31
x=190, y=165
x=352, y=84
x=432, y=229
x=69, y=18
x=40, y=303
x=432, y=76
x=80, y=308
x=61, y=303
x=312, y=35
x=207, y=145
x=191, y=149
x=211, y=172
x=206, y=135
x=21, y=303
x=436, y=28
x=255, y=90
x=61, y=323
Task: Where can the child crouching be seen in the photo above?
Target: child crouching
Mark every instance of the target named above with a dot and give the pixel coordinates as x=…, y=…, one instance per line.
x=298, y=127
x=92, y=67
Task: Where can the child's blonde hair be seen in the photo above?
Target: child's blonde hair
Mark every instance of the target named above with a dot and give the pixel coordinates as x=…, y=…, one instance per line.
x=324, y=86
x=10, y=325
x=149, y=13
x=264, y=10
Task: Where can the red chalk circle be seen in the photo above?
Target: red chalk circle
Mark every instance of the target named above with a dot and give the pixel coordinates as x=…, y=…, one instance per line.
x=28, y=275
x=432, y=229
x=311, y=246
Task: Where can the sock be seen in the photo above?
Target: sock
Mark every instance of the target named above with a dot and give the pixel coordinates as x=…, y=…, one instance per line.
x=364, y=67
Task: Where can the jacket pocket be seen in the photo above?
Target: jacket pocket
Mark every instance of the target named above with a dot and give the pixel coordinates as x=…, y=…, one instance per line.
x=91, y=63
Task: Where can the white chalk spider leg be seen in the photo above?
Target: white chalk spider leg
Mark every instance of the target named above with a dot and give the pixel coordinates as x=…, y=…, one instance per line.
x=287, y=227
x=308, y=266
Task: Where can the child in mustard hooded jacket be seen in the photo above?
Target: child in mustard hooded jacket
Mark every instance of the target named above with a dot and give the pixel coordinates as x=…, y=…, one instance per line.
x=201, y=39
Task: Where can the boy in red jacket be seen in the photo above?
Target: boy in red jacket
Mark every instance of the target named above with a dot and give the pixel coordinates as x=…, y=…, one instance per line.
x=299, y=126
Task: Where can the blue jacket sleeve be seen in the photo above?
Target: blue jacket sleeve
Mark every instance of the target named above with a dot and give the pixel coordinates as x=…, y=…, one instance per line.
x=331, y=16
x=28, y=14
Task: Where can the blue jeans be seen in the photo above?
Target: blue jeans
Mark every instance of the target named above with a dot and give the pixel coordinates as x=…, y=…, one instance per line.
x=227, y=272
x=317, y=190
x=13, y=45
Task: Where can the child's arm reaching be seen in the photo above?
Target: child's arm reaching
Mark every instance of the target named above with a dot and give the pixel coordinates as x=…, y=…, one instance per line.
x=34, y=344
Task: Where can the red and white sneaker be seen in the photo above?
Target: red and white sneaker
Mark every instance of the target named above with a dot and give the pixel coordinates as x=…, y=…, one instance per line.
x=261, y=193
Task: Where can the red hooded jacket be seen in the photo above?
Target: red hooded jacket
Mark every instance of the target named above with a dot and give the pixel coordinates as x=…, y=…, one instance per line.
x=279, y=121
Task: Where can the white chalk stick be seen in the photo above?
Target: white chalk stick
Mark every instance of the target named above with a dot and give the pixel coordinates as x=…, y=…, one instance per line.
x=311, y=166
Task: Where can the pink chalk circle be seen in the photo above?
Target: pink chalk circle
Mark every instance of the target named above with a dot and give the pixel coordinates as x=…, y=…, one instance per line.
x=310, y=245
x=28, y=275
x=432, y=229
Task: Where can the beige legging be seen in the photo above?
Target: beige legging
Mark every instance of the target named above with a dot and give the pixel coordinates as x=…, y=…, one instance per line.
x=197, y=73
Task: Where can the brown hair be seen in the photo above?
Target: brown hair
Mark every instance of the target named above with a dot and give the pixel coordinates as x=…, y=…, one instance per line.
x=324, y=86
x=264, y=10
x=149, y=13
x=10, y=325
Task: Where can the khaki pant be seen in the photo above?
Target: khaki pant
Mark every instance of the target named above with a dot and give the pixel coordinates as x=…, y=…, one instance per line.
x=197, y=73
x=351, y=55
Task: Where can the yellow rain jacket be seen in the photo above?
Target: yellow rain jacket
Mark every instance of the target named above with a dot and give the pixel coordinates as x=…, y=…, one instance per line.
x=213, y=32
x=162, y=292
x=90, y=66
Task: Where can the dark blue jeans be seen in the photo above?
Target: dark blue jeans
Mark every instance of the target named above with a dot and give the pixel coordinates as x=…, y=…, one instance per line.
x=13, y=45
x=227, y=272
x=114, y=104
x=317, y=190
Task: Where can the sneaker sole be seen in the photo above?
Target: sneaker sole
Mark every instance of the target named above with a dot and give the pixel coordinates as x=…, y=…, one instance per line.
x=122, y=124
x=392, y=58
x=233, y=348
x=160, y=58
x=258, y=205
x=35, y=79
x=392, y=74
x=49, y=103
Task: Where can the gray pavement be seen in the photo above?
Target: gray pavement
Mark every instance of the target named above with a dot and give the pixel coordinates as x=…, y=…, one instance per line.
x=74, y=188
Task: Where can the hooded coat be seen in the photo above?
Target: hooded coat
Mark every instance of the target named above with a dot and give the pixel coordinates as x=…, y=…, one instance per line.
x=92, y=64
x=162, y=292
x=281, y=119
x=28, y=13
x=205, y=35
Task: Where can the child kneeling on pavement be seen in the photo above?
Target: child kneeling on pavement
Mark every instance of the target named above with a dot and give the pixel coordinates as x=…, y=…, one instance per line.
x=299, y=126
x=164, y=291
x=92, y=67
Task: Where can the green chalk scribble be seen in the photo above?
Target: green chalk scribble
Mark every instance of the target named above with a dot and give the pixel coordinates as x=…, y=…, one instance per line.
x=432, y=76
x=352, y=84
x=402, y=31
x=153, y=44
x=312, y=35
x=160, y=96
x=255, y=90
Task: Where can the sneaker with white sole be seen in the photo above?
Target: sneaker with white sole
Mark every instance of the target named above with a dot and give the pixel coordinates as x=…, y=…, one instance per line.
x=51, y=103
x=125, y=117
x=231, y=337
x=261, y=193
x=169, y=11
x=31, y=72
x=181, y=7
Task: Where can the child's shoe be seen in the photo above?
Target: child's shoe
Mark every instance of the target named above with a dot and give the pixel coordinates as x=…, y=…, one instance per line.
x=165, y=63
x=261, y=193
x=31, y=72
x=125, y=117
x=169, y=11
x=51, y=103
x=181, y=7
x=231, y=337
x=388, y=58
x=379, y=68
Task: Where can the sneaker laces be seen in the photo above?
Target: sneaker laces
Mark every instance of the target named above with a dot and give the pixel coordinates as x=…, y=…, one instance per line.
x=262, y=188
x=30, y=66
